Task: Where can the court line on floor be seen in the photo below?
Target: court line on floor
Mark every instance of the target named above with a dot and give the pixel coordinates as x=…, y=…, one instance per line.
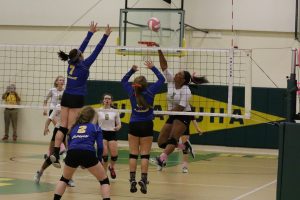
x=87, y=178
x=255, y=190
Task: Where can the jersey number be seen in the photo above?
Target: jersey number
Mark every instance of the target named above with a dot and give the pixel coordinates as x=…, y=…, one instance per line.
x=82, y=129
x=72, y=67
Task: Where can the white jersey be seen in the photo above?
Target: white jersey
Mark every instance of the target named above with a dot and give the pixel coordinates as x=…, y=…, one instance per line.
x=55, y=96
x=175, y=96
x=108, y=119
x=55, y=115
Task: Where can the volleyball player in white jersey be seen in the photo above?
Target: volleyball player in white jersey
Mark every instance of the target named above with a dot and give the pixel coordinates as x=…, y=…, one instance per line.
x=110, y=123
x=178, y=97
x=54, y=94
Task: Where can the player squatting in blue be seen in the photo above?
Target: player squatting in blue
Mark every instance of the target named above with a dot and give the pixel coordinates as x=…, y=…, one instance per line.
x=139, y=113
x=81, y=152
x=83, y=137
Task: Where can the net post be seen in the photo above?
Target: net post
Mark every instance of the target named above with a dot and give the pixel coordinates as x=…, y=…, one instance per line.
x=230, y=80
x=292, y=89
x=248, y=87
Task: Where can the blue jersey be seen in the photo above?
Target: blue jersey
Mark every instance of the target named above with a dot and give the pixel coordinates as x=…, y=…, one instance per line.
x=139, y=113
x=78, y=72
x=84, y=136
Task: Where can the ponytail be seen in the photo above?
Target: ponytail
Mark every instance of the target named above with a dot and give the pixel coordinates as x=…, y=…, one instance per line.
x=73, y=56
x=139, y=85
x=62, y=55
x=195, y=79
x=199, y=80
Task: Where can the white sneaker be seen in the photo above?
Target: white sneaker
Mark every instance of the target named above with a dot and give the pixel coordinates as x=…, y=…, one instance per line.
x=159, y=164
x=185, y=170
x=37, y=177
x=71, y=183
x=55, y=162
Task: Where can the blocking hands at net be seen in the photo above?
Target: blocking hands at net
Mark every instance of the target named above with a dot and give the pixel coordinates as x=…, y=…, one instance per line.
x=178, y=97
x=81, y=152
x=76, y=87
x=140, y=134
x=11, y=98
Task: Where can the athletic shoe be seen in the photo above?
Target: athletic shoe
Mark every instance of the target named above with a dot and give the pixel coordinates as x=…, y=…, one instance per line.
x=62, y=152
x=143, y=186
x=185, y=170
x=55, y=161
x=37, y=177
x=5, y=138
x=15, y=138
x=156, y=161
x=189, y=148
x=112, y=172
x=71, y=183
x=133, y=188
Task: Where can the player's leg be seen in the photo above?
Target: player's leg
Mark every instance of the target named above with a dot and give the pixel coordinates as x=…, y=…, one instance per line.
x=105, y=154
x=145, y=147
x=133, y=156
x=64, y=180
x=113, y=149
x=99, y=172
x=60, y=135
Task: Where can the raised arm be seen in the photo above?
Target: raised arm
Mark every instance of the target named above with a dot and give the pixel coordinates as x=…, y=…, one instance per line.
x=125, y=79
x=162, y=60
x=92, y=30
x=156, y=87
x=89, y=61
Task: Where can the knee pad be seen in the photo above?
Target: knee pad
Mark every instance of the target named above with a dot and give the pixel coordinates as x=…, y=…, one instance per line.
x=114, y=158
x=162, y=146
x=105, y=158
x=104, y=181
x=145, y=156
x=63, y=179
x=132, y=156
x=184, y=151
x=48, y=161
x=172, y=141
x=63, y=130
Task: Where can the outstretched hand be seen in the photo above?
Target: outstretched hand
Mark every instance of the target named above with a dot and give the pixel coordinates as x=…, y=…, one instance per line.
x=108, y=30
x=149, y=64
x=93, y=27
x=134, y=68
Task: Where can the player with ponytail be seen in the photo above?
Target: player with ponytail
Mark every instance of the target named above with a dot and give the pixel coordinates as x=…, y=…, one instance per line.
x=178, y=97
x=76, y=87
x=140, y=134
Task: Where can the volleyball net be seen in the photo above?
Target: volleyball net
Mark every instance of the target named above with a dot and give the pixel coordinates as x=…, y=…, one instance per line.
x=33, y=69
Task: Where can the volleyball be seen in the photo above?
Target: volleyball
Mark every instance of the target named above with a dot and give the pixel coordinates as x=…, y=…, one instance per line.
x=154, y=24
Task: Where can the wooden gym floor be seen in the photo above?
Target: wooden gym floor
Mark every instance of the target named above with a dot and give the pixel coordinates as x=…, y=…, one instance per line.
x=217, y=173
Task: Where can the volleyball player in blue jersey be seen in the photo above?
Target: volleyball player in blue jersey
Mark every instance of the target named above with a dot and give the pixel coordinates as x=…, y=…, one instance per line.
x=76, y=87
x=140, y=134
x=81, y=152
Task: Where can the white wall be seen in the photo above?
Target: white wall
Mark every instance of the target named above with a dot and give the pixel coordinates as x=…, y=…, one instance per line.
x=264, y=26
